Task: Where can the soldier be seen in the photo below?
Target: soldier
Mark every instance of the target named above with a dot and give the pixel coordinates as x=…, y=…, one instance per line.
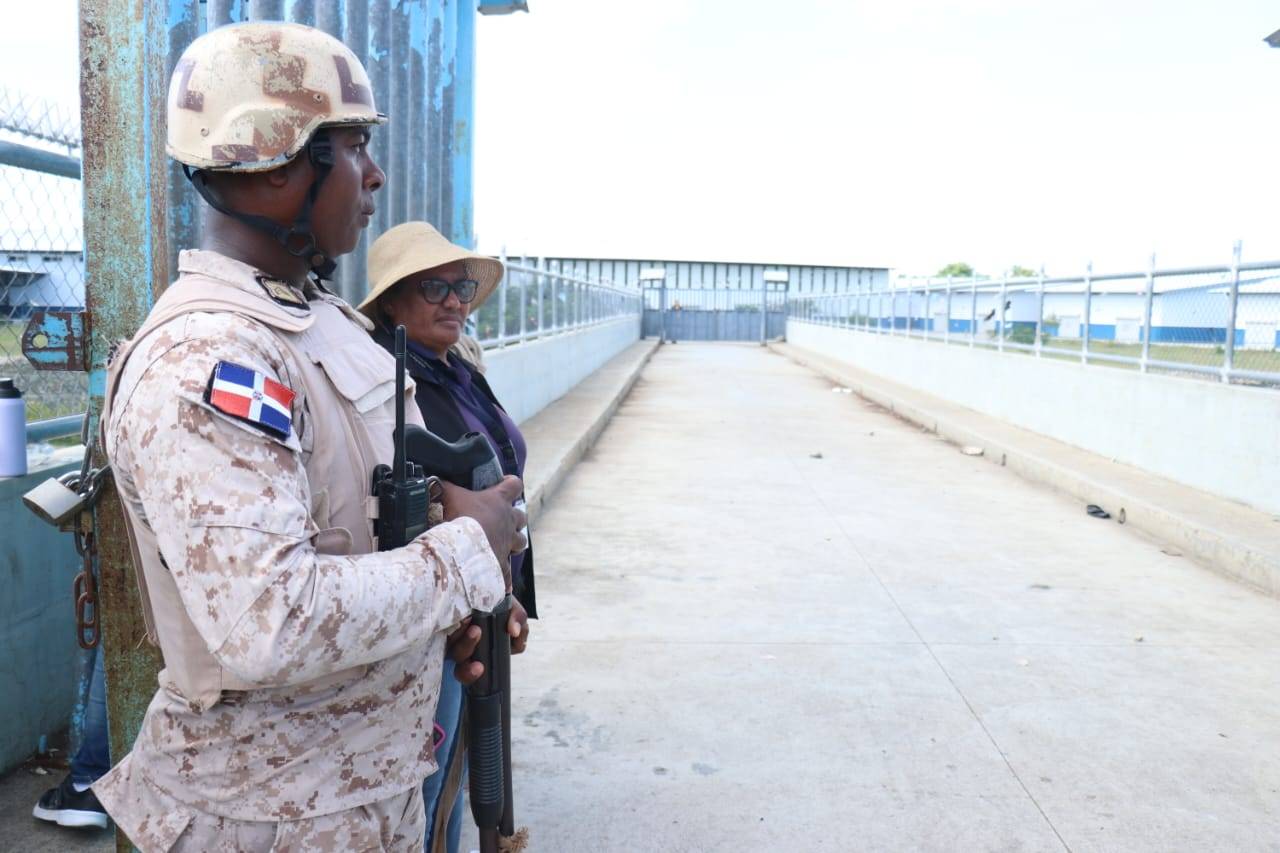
x=244, y=420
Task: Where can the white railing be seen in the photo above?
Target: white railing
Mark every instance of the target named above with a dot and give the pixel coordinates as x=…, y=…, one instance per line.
x=535, y=301
x=1220, y=321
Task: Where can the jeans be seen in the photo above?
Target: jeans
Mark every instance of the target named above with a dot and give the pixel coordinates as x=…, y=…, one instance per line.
x=93, y=759
x=448, y=717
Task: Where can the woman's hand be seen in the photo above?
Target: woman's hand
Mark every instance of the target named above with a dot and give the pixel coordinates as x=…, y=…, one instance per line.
x=518, y=627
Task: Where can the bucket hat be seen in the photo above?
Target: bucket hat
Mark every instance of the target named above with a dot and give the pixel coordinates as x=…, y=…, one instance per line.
x=415, y=247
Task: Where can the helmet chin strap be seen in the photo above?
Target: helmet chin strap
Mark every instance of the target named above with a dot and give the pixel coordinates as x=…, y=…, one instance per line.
x=297, y=238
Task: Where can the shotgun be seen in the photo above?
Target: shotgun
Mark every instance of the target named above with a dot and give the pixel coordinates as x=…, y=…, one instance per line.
x=471, y=463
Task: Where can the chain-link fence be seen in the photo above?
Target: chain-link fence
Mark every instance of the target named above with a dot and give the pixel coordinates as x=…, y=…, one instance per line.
x=41, y=243
x=1219, y=321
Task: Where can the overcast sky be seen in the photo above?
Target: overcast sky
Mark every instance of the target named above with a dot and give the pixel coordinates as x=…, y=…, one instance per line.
x=906, y=133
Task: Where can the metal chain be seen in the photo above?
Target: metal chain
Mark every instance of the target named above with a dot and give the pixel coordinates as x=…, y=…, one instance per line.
x=84, y=589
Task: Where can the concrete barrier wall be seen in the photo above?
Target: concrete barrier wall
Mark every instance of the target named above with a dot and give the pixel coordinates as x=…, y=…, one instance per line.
x=1223, y=439
x=39, y=660
x=528, y=376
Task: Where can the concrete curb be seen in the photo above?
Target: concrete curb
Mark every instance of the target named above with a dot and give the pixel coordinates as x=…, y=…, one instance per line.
x=1241, y=556
x=599, y=395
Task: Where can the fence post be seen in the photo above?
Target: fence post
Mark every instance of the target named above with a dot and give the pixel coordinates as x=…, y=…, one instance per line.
x=764, y=312
x=126, y=192
x=786, y=308
x=1088, y=313
x=946, y=327
x=1229, y=347
x=1146, y=315
x=925, y=331
x=1039, y=311
x=542, y=266
x=555, y=282
x=973, y=310
x=1004, y=299
x=502, y=300
x=524, y=301
x=662, y=312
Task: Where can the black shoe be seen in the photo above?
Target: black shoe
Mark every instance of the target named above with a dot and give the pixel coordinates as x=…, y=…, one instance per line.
x=66, y=806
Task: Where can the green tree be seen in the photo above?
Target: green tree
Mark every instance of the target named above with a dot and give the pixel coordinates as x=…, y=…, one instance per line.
x=959, y=269
x=1021, y=272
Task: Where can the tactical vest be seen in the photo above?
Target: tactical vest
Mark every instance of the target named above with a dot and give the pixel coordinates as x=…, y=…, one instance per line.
x=348, y=383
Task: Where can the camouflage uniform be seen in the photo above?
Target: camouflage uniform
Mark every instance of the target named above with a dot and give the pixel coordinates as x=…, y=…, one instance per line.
x=302, y=666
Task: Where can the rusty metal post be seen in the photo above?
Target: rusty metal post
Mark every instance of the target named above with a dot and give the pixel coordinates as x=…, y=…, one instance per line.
x=356, y=36
x=265, y=10
x=327, y=15
x=461, y=225
x=126, y=193
x=400, y=118
x=434, y=137
x=415, y=179
x=329, y=18
x=184, y=214
x=303, y=12
x=379, y=67
x=448, y=91
x=220, y=12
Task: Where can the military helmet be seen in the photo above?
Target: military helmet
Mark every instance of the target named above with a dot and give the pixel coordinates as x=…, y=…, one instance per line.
x=249, y=97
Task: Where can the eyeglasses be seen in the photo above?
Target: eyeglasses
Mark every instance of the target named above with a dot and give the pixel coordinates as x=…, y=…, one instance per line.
x=436, y=291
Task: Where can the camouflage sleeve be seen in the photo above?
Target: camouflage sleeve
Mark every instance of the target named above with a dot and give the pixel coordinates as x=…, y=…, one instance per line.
x=230, y=507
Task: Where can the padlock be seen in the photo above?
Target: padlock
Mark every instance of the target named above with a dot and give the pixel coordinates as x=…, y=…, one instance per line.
x=55, y=501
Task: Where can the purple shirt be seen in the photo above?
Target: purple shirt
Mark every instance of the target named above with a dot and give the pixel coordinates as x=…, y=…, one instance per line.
x=479, y=414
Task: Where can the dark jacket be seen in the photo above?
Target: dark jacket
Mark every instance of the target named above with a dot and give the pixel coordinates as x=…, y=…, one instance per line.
x=443, y=418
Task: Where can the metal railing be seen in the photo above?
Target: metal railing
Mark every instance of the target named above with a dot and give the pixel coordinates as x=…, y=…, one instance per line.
x=536, y=299
x=1217, y=321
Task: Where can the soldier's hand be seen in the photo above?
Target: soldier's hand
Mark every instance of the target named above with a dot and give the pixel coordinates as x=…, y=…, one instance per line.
x=501, y=521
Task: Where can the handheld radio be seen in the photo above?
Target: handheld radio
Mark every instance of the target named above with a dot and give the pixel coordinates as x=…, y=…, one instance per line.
x=403, y=491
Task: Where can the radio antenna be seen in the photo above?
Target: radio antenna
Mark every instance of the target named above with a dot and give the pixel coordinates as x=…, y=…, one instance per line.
x=398, y=466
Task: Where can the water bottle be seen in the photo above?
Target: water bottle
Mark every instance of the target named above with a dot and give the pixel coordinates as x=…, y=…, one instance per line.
x=13, y=430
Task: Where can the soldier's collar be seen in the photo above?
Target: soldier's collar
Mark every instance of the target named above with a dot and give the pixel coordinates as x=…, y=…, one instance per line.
x=239, y=274
x=281, y=292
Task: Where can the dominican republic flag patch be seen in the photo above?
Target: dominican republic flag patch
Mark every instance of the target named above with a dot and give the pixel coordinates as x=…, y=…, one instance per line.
x=251, y=396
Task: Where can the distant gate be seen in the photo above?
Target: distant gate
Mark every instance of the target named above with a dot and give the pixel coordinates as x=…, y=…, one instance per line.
x=721, y=314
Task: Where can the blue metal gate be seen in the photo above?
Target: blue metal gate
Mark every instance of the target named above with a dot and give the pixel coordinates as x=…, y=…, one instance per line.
x=721, y=314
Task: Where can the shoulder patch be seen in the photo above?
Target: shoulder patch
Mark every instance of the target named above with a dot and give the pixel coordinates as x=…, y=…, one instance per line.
x=252, y=397
x=281, y=292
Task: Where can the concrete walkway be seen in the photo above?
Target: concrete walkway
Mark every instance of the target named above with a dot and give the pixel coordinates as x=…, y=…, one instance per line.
x=777, y=618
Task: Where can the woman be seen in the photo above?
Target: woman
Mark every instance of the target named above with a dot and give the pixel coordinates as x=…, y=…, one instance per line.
x=420, y=280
